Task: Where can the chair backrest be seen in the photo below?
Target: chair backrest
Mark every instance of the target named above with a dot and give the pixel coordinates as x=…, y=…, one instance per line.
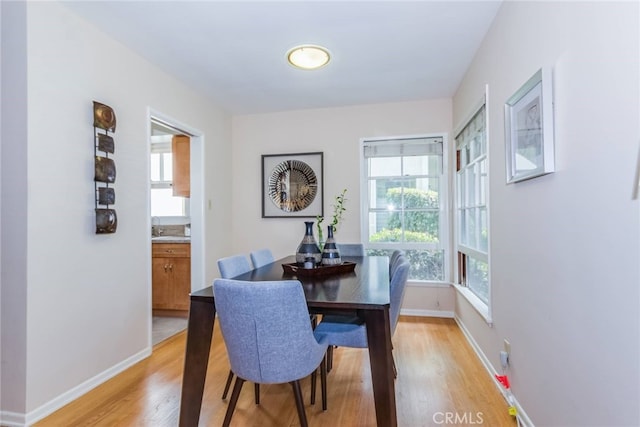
x=261, y=257
x=266, y=330
x=396, y=289
x=393, y=261
x=233, y=266
x=350, y=249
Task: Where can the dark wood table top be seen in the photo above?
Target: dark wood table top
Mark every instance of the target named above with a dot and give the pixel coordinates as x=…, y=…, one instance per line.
x=367, y=287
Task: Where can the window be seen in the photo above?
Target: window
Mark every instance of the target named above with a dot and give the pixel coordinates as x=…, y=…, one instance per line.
x=472, y=225
x=163, y=203
x=406, y=193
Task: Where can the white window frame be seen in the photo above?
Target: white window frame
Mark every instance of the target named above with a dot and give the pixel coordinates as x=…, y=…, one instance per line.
x=483, y=308
x=444, y=228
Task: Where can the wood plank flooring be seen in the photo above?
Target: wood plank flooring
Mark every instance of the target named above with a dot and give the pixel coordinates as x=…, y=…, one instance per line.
x=439, y=376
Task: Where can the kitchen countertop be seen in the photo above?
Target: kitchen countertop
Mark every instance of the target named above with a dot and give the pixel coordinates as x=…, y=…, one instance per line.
x=171, y=239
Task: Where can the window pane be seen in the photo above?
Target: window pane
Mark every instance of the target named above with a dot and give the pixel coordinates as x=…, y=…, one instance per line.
x=164, y=204
x=472, y=185
x=463, y=158
x=425, y=193
x=167, y=164
x=473, y=152
x=471, y=228
x=385, y=166
x=462, y=227
x=482, y=200
x=421, y=165
x=461, y=184
x=380, y=196
x=422, y=226
x=477, y=278
x=484, y=231
x=426, y=265
x=155, y=167
x=476, y=146
x=378, y=229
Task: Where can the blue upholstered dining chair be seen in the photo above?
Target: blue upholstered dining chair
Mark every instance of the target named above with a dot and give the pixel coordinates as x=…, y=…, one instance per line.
x=233, y=266
x=393, y=261
x=268, y=336
x=261, y=257
x=229, y=267
x=350, y=331
x=350, y=249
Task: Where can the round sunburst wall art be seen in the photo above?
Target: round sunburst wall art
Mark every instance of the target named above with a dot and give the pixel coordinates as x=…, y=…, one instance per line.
x=293, y=185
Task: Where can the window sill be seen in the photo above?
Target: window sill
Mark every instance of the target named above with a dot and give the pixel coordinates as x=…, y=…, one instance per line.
x=476, y=303
x=428, y=284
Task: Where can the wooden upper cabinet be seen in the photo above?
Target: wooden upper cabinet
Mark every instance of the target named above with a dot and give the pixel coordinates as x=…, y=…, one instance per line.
x=181, y=168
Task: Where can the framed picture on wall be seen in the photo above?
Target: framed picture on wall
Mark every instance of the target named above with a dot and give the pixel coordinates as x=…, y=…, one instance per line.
x=529, y=129
x=292, y=185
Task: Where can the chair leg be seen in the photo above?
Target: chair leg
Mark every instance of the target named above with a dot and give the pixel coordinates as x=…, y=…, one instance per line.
x=227, y=385
x=329, y=358
x=323, y=382
x=313, y=386
x=234, y=400
x=393, y=360
x=297, y=392
x=256, y=392
x=395, y=371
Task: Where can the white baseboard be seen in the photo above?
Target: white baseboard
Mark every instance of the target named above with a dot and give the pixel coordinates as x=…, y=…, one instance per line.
x=427, y=313
x=523, y=418
x=13, y=419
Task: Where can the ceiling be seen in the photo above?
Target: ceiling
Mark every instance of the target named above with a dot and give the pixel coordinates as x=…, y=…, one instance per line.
x=234, y=52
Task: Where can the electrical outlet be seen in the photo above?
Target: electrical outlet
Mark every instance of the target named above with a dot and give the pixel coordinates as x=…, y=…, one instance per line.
x=507, y=347
x=504, y=359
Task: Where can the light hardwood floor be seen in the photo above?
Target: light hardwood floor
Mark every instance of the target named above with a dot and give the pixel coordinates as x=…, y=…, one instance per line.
x=438, y=374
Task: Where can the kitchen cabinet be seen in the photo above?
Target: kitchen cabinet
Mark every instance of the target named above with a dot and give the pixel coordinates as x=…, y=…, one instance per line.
x=181, y=154
x=171, y=275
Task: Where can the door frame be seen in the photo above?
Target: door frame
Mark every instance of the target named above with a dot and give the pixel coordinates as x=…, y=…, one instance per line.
x=196, y=201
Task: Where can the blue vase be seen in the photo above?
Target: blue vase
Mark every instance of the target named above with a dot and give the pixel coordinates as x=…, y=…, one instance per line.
x=330, y=254
x=308, y=248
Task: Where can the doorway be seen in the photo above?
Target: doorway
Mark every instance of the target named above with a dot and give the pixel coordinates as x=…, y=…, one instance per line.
x=175, y=221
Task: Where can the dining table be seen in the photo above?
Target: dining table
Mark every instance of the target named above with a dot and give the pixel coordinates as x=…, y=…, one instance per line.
x=363, y=291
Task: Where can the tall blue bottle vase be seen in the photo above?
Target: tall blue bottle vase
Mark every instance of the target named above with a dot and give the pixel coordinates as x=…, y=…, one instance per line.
x=308, y=247
x=330, y=253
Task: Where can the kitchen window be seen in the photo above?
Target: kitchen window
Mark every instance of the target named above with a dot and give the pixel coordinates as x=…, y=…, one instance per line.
x=163, y=202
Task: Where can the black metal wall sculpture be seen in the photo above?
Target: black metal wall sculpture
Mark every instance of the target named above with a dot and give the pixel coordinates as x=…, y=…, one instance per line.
x=104, y=121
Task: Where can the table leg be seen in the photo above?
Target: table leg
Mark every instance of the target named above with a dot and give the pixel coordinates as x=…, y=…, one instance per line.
x=381, y=360
x=199, y=334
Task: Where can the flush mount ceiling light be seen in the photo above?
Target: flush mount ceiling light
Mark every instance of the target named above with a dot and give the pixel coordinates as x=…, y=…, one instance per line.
x=308, y=57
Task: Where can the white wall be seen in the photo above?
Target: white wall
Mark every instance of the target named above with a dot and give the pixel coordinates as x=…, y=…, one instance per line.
x=86, y=302
x=337, y=133
x=565, y=247
x=14, y=201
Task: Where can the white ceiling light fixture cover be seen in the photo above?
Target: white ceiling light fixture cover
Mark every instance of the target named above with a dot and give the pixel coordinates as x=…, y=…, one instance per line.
x=308, y=56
